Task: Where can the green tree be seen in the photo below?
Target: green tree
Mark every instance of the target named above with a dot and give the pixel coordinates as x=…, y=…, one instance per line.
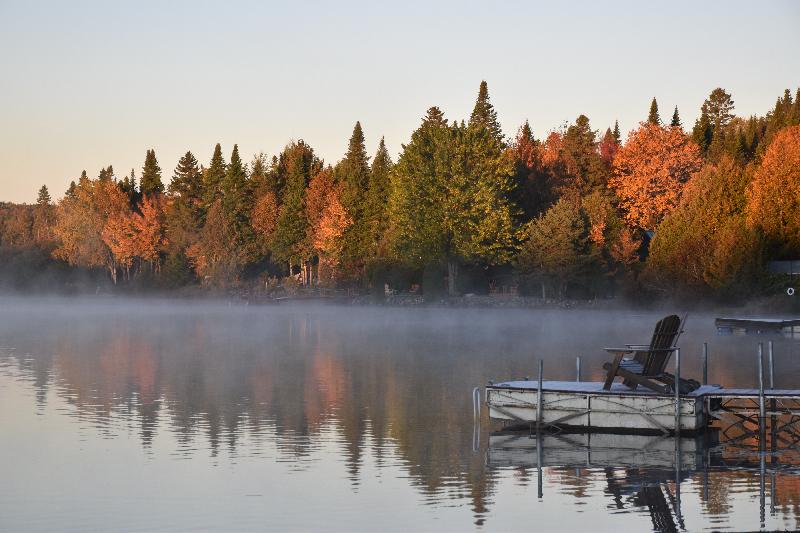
x=212, y=179
x=557, y=250
x=43, y=215
x=583, y=167
x=719, y=106
x=676, y=119
x=449, y=197
x=150, y=182
x=703, y=130
x=653, y=117
x=297, y=164
x=238, y=202
x=484, y=115
x=354, y=174
x=617, y=135
x=376, y=201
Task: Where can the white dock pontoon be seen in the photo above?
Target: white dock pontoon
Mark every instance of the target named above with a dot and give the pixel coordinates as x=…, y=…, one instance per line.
x=586, y=405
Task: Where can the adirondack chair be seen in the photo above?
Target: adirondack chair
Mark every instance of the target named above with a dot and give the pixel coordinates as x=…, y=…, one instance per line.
x=646, y=367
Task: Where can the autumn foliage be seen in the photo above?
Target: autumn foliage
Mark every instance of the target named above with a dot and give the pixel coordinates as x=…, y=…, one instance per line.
x=774, y=195
x=650, y=172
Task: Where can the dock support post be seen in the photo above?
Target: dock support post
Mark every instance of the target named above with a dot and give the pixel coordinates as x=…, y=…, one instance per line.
x=539, y=397
x=770, y=366
x=578, y=368
x=705, y=363
x=761, y=405
x=677, y=392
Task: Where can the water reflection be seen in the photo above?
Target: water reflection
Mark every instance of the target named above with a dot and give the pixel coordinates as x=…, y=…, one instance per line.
x=384, y=392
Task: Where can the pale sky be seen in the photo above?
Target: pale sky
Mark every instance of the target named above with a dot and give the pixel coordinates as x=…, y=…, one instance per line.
x=88, y=84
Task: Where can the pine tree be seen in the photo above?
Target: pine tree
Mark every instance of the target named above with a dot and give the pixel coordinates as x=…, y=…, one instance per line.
x=43, y=215
x=653, y=117
x=676, y=119
x=238, y=201
x=484, y=114
x=150, y=183
x=214, y=175
x=187, y=180
x=617, y=135
x=719, y=106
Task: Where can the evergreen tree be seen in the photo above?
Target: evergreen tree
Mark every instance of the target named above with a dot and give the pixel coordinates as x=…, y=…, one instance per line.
x=237, y=201
x=354, y=175
x=187, y=180
x=375, y=206
x=703, y=130
x=150, y=183
x=296, y=165
x=676, y=119
x=70, y=193
x=484, y=114
x=106, y=174
x=449, y=197
x=719, y=106
x=43, y=199
x=617, y=136
x=214, y=175
x=653, y=117
x=583, y=166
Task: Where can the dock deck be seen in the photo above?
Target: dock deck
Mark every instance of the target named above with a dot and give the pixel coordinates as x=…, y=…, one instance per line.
x=586, y=405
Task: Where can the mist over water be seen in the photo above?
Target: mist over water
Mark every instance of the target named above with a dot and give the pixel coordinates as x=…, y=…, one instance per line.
x=155, y=414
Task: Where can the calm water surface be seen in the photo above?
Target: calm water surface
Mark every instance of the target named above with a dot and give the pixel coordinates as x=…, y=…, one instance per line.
x=151, y=415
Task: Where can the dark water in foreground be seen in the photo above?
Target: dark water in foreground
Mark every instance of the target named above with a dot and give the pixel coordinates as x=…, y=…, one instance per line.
x=185, y=416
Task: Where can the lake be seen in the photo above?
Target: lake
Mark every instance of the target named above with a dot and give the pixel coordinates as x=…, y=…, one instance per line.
x=131, y=415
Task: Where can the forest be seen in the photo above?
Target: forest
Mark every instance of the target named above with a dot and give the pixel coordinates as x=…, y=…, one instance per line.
x=669, y=210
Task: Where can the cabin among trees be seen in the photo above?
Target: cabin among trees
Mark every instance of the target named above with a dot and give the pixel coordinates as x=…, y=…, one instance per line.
x=462, y=209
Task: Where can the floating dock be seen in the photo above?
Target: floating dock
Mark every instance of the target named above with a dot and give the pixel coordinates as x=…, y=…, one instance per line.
x=586, y=406
x=747, y=326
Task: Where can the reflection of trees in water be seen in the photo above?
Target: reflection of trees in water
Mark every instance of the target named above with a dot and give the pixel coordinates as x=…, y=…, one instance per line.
x=387, y=379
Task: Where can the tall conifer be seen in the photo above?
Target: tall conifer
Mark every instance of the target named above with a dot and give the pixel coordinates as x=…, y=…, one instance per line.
x=653, y=117
x=484, y=114
x=214, y=175
x=150, y=182
x=676, y=119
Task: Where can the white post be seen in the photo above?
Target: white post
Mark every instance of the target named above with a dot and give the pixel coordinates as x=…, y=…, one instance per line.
x=578, y=368
x=539, y=397
x=705, y=363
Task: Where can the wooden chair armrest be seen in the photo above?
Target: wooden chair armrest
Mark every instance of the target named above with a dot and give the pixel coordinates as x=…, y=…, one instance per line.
x=638, y=346
x=619, y=350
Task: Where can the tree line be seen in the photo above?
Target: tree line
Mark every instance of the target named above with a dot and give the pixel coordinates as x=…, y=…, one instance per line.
x=463, y=209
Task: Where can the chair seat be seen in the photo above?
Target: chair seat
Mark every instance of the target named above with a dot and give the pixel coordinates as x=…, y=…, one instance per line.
x=632, y=366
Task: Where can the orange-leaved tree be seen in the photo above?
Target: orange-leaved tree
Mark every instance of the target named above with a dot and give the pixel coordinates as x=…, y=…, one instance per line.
x=327, y=239
x=773, y=198
x=650, y=172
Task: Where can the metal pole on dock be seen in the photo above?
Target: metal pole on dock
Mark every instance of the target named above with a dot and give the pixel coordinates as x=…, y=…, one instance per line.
x=677, y=392
x=539, y=397
x=771, y=367
x=578, y=368
x=761, y=405
x=705, y=363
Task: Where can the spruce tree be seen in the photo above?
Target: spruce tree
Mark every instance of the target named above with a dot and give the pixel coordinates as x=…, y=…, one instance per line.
x=70, y=193
x=719, y=106
x=375, y=205
x=187, y=179
x=653, y=117
x=237, y=201
x=43, y=199
x=703, y=130
x=354, y=174
x=676, y=119
x=214, y=175
x=106, y=174
x=150, y=182
x=484, y=114
x=617, y=135
x=296, y=165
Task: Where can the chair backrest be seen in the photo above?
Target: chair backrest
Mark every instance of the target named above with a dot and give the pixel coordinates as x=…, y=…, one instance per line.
x=666, y=333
